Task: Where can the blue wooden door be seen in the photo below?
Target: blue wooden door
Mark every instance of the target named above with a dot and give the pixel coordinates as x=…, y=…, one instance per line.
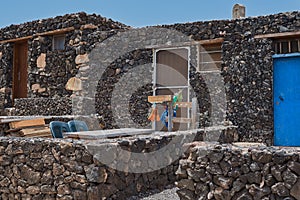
x=287, y=100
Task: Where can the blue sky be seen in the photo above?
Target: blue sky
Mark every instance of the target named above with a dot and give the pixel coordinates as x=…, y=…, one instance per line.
x=139, y=13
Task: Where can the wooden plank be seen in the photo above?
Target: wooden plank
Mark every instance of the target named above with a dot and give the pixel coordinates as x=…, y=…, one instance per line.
x=160, y=98
x=16, y=39
x=18, y=129
x=27, y=123
x=9, y=119
x=56, y=32
x=278, y=35
x=31, y=131
x=182, y=120
x=184, y=104
x=211, y=41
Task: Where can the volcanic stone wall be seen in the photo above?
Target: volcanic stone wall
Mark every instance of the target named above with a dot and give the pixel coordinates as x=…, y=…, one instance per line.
x=51, y=106
x=247, y=74
x=48, y=69
x=212, y=171
x=59, y=22
x=6, y=58
x=246, y=71
x=66, y=169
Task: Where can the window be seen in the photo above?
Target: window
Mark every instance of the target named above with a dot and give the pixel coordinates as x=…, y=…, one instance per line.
x=285, y=46
x=59, y=42
x=210, y=57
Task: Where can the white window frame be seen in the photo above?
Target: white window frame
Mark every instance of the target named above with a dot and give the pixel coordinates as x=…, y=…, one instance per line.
x=154, y=78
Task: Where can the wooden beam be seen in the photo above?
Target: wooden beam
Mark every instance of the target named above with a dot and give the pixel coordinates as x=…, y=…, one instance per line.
x=278, y=35
x=211, y=41
x=185, y=44
x=16, y=39
x=54, y=32
x=27, y=123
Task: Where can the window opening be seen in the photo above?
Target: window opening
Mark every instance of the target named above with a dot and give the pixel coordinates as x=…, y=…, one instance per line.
x=59, y=42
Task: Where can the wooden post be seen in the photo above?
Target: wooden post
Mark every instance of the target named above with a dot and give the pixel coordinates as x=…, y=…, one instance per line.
x=170, y=115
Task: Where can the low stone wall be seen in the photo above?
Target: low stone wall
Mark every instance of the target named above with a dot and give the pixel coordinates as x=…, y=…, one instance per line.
x=79, y=169
x=213, y=171
x=58, y=169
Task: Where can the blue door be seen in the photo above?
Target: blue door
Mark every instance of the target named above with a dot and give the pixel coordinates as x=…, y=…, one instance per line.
x=287, y=100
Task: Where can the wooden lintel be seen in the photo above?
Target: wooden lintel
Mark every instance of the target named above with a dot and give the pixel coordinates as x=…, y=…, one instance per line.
x=54, y=32
x=212, y=41
x=186, y=44
x=278, y=35
x=16, y=40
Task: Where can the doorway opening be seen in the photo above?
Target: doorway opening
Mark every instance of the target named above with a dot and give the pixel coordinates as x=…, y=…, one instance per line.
x=171, y=76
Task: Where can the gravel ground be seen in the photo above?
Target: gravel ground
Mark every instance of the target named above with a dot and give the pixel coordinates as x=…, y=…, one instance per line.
x=168, y=194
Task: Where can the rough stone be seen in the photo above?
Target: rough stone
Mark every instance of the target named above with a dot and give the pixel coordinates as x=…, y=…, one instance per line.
x=33, y=190
x=96, y=174
x=81, y=59
x=37, y=88
x=295, y=191
x=48, y=189
x=223, y=182
x=74, y=84
x=186, y=183
x=41, y=61
x=295, y=167
x=280, y=190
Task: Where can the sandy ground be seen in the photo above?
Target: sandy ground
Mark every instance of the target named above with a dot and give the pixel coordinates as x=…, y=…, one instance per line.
x=168, y=194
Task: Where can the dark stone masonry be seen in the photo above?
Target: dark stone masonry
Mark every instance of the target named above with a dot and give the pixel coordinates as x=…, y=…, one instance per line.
x=246, y=69
x=111, y=66
x=214, y=171
x=66, y=169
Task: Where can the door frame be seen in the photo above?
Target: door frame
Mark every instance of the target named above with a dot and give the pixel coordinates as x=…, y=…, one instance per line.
x=14, y=71
x=278, y=56
x=154, y=78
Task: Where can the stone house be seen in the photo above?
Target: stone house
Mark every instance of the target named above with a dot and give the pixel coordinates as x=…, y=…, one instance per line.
x=38, y=59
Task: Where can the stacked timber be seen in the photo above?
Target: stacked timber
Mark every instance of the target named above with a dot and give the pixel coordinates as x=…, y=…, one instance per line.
x=35, y=127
